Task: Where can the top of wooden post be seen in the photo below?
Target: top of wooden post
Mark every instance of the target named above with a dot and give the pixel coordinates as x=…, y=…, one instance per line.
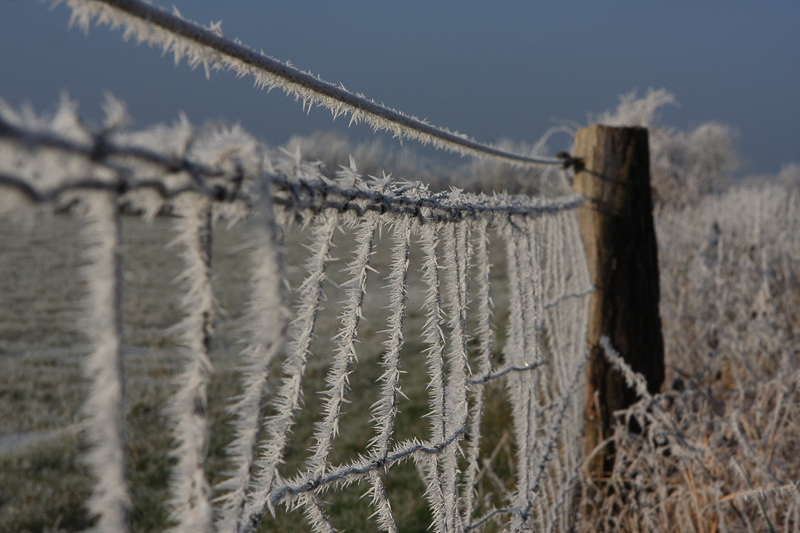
x=614, y=159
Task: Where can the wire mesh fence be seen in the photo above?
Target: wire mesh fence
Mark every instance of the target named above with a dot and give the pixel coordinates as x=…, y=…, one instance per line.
x=431, y=327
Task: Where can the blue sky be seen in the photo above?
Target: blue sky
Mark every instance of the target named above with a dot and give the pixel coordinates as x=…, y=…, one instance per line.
x=491, y=70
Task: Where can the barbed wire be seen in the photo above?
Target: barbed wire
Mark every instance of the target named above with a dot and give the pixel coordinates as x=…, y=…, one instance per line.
x=135, y=168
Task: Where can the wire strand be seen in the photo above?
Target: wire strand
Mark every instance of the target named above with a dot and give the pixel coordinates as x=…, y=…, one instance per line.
x=302, y=85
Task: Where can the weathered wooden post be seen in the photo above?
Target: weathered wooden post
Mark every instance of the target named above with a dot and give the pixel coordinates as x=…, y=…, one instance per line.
x=619, y=235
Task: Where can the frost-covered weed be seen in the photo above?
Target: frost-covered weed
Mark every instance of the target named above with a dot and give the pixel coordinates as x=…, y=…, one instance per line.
x=720, y=450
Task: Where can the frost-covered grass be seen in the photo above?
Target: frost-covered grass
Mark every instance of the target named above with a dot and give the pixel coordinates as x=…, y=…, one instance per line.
x=721, y=450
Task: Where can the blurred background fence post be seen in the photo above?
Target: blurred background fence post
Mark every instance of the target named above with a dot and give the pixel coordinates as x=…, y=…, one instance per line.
x=618, y=233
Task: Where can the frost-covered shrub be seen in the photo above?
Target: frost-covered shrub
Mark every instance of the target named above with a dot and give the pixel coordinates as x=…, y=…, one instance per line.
x=790, y=175
x=684, y=165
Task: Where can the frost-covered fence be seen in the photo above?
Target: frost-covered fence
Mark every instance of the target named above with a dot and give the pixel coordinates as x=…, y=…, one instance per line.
x=200, y=176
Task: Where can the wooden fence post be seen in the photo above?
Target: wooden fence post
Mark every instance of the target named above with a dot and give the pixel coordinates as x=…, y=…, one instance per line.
x=619, y=235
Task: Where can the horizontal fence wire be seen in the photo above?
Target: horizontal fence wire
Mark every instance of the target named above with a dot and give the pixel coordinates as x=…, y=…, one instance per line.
x=207, y=46
x=198, y=175
x=125, y=164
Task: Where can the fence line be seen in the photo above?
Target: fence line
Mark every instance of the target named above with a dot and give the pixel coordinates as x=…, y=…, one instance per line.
x=207, y=46
x=124, y=165
x=204, y=174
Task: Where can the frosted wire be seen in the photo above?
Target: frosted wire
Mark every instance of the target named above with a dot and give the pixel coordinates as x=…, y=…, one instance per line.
x=456, y=268
x=266, y=323
x=207, y=46
x=385, y=409
x=190, y=505
x=48, y=161
x=433, y=336
x=105, y=405
x=483, y=332
x=289, y=395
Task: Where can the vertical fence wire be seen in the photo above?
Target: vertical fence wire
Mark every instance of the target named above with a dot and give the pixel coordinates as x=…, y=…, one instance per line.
x=190, y=504
x=105, y=407
x=516, y=354
x=289, y=395
x=537, y=383
x=345, y=356
x=265, y=322
x=483, y=332
x=433, y=335
x=456, y=268
x=384, y=411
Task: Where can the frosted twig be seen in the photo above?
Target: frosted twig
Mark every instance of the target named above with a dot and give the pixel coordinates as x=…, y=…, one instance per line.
x=634, y=380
